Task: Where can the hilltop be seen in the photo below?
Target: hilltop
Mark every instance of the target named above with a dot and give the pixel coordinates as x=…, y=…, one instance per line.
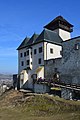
x=15, y=105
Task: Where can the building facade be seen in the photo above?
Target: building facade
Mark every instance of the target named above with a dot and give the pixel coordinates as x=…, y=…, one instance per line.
x=34, y=51
x=68, y=66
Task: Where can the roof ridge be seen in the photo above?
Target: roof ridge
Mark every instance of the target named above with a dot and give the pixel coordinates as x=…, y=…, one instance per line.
x=58, y=18
x=23, y=43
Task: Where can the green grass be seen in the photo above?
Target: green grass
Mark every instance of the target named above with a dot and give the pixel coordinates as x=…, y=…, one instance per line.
x=37, y=107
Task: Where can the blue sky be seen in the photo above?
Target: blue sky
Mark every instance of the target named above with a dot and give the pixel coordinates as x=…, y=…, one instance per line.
x=21, y=18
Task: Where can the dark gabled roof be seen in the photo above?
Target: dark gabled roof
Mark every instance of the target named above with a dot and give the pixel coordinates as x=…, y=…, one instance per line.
x=32, y=39
x=59, y=22
x=49, y=36
x=28, y=41
x=59, y=18
x=23, y=44
x=46, y=35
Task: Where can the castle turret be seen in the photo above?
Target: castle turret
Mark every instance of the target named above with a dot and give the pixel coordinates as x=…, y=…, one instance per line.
x=61, y=26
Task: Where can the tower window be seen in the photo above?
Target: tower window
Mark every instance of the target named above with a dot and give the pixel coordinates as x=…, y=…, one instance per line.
x=51, y=50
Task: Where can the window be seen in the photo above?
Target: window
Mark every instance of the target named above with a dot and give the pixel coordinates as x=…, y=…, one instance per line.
x=21, y=55
x=27, y=52
x=27, y=62
x=51, y=50
x=77, y=46
x=40, y=49
x=22, y=63
x=39, y=61
x=24, y=54
x=35, y=51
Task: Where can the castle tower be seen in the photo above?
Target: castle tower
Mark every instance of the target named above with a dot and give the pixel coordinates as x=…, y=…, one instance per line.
x=61, y=26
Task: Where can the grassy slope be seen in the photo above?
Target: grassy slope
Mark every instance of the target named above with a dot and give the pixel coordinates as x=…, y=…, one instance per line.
x=18, y=106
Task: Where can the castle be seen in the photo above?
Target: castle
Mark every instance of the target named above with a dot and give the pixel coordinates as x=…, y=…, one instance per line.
x=51, y=52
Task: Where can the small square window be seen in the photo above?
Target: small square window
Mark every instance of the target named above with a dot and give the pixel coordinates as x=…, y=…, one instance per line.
x=39, y=61
x=40, y=49
x=28, y=62
x=35, y=51
x=21, y=55
x=51, y=50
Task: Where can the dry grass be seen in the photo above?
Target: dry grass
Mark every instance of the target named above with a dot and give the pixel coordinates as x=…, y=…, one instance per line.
x=16, y=105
